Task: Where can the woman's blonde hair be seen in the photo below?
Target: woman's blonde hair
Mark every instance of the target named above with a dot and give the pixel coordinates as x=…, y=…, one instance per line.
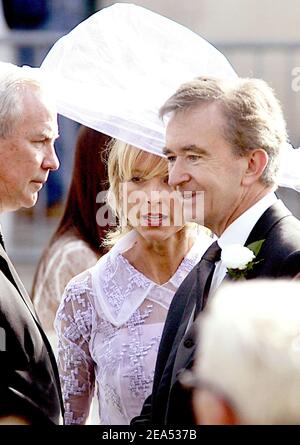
x=122, y=160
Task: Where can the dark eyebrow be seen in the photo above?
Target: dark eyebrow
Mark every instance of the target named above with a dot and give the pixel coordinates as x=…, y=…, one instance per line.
x=187, y=148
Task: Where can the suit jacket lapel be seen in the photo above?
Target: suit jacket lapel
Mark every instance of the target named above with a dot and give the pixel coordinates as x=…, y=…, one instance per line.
x=176, y=321
x=188, y=313
x=19, y=285
x=265, y=223
x=261, y=229
x=179, y=359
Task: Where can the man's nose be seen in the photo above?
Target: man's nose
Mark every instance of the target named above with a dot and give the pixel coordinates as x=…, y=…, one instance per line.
x=177, y=174
x=51, y=161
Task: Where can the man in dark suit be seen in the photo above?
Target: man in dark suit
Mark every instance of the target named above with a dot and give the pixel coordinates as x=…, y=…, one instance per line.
x=224, y=138
x=29, y=382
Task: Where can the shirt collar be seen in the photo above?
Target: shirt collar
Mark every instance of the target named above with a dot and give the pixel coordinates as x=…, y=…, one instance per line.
x=239, y=230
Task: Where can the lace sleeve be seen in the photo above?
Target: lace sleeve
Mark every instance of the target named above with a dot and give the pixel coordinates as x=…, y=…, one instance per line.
x=64, y=261
x=76, y=367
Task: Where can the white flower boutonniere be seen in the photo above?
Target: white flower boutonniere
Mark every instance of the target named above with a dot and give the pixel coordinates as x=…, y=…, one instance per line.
x=239, y=260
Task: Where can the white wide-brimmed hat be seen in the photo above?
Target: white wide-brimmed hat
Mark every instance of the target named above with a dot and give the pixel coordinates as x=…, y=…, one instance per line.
x=116, y=69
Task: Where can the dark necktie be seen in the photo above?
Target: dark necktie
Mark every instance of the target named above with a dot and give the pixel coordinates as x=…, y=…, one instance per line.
x=206, y=268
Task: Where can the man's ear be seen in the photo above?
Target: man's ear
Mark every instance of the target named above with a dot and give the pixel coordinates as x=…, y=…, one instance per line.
x=257, y=162
x=211, y=409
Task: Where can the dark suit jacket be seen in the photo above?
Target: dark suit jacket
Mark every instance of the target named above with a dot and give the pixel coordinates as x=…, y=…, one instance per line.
x=29, y=381
x=280, y=254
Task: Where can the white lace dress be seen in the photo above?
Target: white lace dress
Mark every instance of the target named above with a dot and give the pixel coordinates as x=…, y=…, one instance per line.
x=109, y=326
x=67, y=257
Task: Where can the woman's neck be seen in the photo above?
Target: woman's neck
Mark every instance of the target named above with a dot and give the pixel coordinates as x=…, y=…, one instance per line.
x=159, y=260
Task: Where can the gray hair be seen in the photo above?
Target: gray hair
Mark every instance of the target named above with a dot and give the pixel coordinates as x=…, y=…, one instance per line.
x=249, y=349
x=253, y=115
x=13, y=82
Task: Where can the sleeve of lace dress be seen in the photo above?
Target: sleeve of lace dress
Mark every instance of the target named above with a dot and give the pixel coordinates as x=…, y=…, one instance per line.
x=76, y=367
x=63, y=264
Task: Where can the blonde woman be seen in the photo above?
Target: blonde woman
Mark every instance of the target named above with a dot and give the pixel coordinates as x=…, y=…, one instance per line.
x=111, y=317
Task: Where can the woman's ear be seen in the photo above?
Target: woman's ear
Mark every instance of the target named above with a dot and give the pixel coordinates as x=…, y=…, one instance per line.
x=257, y=162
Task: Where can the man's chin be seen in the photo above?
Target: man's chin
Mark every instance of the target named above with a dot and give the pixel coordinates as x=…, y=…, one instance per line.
x=30, y=201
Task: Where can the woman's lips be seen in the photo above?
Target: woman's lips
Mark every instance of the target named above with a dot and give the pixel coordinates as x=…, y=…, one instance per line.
x=154, y=219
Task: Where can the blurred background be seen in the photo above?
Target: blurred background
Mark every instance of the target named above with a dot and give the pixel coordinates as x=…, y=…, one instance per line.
x=261, y=38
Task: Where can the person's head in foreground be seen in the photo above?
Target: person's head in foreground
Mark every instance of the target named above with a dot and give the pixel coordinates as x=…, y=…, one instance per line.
x=140, y=196
x=28, y=129
x=224, y=138
x=247, y=368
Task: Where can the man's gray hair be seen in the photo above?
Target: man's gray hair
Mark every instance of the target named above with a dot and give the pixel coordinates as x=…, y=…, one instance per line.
x=249, y=349
x=13, y=81
x=253, y=115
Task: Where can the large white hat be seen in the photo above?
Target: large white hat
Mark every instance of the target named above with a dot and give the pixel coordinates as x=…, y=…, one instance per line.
x=117, y=68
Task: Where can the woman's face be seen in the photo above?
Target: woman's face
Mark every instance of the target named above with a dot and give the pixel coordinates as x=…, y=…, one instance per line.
x=149, y=203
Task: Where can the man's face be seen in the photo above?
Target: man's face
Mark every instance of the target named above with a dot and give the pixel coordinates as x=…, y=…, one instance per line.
x=200, y=159
x=27, y=154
